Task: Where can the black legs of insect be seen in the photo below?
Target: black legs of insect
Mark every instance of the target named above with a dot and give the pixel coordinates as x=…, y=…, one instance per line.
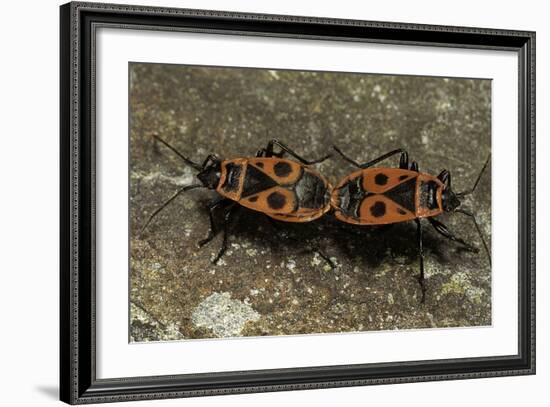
x=312, y=247
x=227, y=222
x=212, y=206
x=404, y=156
x=442, y=230
x=403, y=160
x=268, y=152
x=231, y=210
x=403, y=163
x=421, y=279
x=472, y=216
x=445, y=177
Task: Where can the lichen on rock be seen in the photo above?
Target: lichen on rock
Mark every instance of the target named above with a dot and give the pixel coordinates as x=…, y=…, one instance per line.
x=224, y=316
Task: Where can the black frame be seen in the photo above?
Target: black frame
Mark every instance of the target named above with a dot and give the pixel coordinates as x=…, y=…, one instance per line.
x=78, y=383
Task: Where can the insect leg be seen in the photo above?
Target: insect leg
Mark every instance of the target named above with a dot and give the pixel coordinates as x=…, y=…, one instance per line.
x=227, y=221
x=317, y=249
x=375, y=161
x=414, y=166
x=212, y=232
x=285, y=149
x=442, y=229
x=312, y=247
x=404, y=161
x=263, y=152
x=212, y=157
x=472, y=216
x=421, y=256
x=445, y=177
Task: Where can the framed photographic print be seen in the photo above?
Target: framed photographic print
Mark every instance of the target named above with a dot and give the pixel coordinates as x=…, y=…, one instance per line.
x=256, y=203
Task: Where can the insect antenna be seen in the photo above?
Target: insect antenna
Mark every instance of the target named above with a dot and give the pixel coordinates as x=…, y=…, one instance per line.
x=471, y=191
x=165, y=204
x=196, y=166
x=472, y=216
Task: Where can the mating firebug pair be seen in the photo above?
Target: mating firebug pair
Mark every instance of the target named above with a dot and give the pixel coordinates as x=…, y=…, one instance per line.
x=292, y=191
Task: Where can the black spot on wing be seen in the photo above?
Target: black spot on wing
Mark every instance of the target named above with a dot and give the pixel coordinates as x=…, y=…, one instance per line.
x=381, y=179
x=256, y=181
x=404, y=194
x=402, y=177
x=282, y=169
x=378, y=209
x=401, y=211
x=276, y=200
x=260, y=164
x=253, y=199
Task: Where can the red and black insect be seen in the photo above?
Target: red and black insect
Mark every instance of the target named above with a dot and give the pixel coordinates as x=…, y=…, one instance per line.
x=381, y=196
x=284, y=190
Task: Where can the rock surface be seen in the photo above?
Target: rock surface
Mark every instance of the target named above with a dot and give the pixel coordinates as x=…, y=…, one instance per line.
x=271, y=280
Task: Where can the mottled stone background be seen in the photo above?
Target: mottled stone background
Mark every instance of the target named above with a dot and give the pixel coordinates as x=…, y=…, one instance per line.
x=270, y=282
